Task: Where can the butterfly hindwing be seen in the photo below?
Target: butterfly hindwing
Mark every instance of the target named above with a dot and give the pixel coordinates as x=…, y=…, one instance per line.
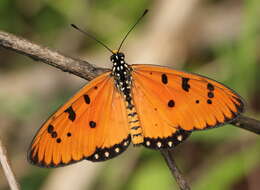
x=172, y=103
x=157, y=131
x=92, y=125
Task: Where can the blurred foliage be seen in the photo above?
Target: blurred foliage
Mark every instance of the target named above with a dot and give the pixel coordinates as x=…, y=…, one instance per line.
x=46, y=20
x=34, y=180
x=229, y=169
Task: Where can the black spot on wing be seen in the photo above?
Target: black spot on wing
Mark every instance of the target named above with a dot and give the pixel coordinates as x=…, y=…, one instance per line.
x=210, y=94
x=171, y=103
x=72, y=114
x=58, y=140
x=69, y=134
x=210, y=87
x=164, y=79
x=92, y=124
x=54, y=134
x=185, y=84
x=87, y=99
x=50, y=129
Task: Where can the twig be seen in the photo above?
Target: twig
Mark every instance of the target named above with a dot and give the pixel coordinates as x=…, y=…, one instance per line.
x=75, y=66
x=247, y=123
x=182, y=183
x=7, y=168
x=87, y=71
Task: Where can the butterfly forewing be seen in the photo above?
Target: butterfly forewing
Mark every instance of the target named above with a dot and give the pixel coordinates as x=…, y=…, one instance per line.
x=170, y=101
x=92, y=125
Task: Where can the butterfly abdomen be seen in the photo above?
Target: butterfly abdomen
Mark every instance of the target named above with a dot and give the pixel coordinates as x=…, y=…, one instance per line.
x=121, y=72
x=134, y=124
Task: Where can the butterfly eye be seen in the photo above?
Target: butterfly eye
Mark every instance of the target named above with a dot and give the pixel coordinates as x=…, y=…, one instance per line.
x=113, y=58
x=121, y=55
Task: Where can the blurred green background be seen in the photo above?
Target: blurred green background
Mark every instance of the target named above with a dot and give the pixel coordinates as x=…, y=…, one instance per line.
x=216, y=38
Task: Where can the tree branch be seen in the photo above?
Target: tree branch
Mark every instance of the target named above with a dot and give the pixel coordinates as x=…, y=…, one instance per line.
x=7, y=168
x=168, y=156
x=247, y=123
x=75, y=66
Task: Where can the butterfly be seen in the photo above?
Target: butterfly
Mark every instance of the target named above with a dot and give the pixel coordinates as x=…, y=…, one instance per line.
x=149, y=105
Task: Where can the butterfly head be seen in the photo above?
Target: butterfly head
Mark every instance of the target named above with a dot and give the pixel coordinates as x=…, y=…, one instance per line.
x=117, y=57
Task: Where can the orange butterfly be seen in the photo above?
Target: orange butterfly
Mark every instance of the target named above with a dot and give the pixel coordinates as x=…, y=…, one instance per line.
x=155, y=106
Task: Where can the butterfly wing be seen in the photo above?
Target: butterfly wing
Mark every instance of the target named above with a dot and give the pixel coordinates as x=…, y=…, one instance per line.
x=92, y=125
x=172, y=103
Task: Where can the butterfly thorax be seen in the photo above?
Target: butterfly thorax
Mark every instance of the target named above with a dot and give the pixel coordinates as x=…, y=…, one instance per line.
x=121, y=72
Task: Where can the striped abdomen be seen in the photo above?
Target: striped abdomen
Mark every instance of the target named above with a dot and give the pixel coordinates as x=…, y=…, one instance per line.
x=134, y=123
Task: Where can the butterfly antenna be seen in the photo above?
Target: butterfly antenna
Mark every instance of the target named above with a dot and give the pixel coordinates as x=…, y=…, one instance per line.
x=145, y=12
x=92, y=37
